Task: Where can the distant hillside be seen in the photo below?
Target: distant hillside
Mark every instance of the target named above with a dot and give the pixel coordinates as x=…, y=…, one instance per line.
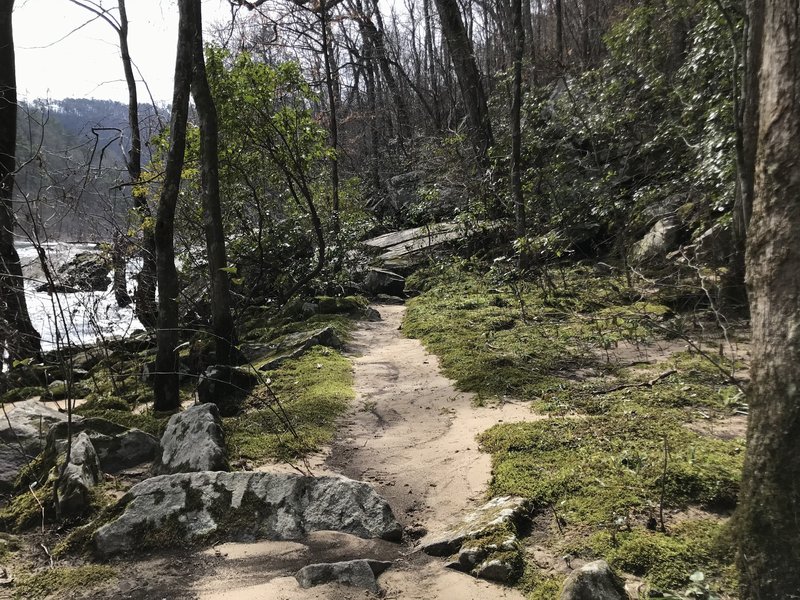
x=72, y=154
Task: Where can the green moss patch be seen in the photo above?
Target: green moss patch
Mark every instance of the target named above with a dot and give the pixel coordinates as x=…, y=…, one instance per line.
x=596, y=467
x=313, y=390
x=62, y=581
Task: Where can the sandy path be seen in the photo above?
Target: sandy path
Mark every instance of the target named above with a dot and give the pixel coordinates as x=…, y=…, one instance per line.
x=410, y=434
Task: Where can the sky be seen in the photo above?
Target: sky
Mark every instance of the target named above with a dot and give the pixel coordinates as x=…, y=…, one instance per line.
x=59, y=55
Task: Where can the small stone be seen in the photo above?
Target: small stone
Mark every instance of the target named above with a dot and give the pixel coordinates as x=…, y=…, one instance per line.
x=357, y=573
x=75, y=481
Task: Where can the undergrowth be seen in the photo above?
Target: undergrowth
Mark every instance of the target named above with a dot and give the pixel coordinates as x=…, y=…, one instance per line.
x=614, y=466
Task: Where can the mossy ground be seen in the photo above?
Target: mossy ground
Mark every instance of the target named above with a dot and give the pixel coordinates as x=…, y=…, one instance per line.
x=312, y=392
x=62, y=581
x=597, y=464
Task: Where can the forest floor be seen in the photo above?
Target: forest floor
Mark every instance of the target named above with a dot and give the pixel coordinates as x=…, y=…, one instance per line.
x=412, y=435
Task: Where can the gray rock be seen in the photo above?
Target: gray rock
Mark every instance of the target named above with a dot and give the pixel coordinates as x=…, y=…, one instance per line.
x=80, y=474
x=294, y=345
x=503, y=510
x=193, y=441
x=226, y=387
x=594, y=581
x=498, y=569
x=196, y=507
x=381, y=281
x=117, y=447
x=357, y=573
x=658, y=242
x=86, y=272
x=715, y=245
x=23, y=436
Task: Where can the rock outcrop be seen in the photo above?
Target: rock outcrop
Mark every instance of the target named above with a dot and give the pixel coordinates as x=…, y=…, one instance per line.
x=658, y=242
x=197, y=507
x=193, y=441
x=485, y=544
x=23, y=436
x=86, y=272
x=79, y=476
x=117, y=447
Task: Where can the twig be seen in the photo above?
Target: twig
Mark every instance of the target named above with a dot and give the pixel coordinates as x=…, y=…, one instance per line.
x=647, y=384
x=46, y=551
x=663, y=487
x=41, y=506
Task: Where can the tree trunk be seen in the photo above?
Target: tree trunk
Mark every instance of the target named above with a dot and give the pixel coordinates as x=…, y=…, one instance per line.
x=469, y=78
x=20, y=339
x=768, y=523
x=333, y=122
x=747, y=126
x=516, y=120
x=559, y=31
x=165, y=381
x=222, y=321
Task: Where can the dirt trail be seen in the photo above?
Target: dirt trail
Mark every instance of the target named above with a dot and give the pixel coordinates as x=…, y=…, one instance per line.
x=410, y=434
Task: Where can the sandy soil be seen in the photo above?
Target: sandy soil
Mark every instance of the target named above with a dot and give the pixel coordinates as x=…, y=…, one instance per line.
x=410, y=434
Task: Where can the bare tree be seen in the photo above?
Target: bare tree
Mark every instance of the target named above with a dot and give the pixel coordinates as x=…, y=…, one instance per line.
x=165, y=381
x=469, y=78
x=222, y=321
x=21, y=340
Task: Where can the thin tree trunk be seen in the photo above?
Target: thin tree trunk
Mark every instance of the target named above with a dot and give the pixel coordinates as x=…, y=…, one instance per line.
x=20, y=339
x=165, y=381
x=516, y=129
x=747, y=127
x=333, y=120
x=559, y=32
x=222, y=321
x=767, y=517
x=469, y=78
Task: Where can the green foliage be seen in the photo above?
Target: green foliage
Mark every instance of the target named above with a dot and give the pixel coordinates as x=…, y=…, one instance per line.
x=649, y=129
x=63, y=581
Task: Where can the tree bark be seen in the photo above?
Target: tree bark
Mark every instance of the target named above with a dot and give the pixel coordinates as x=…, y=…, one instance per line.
x=768, y=523
x=20, y=339
x=468, y=76
x=516, y=122
x=165, y=381
x=333, y=122
x=222, y=321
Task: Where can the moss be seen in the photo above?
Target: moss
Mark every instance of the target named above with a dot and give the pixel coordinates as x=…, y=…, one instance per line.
x=666, y=559
x=537, y=585
x=147, y=421
x=596, y=468
x=24, y=512
x=314, y=390
x=62, y=581
x=22, y=393
x=329, y=305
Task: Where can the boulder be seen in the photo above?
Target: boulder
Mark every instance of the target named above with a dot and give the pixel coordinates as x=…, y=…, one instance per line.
x=23, y=436
x=381, y=281
x=662, y=238
x=498, y=512
x=226, y=387
x=86, y=272
x=715, y=245
x=243, y=506
x=294, y=345
x=594, y=581
x=356, y=573
x=117, y=447
x=193, y=441
x=81, y=473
